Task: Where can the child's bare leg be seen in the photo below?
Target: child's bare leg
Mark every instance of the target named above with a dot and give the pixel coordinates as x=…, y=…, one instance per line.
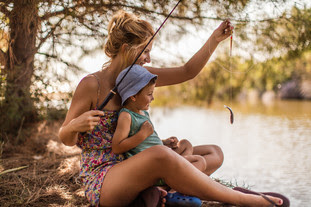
x=126, y=179
x=213, y=155
x=197, y=161
x=184, y=147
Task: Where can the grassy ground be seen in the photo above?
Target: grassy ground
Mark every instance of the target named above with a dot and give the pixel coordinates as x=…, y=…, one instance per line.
x=42, y=171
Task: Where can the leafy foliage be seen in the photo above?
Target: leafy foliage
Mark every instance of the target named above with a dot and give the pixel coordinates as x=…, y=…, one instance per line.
x=227, y=77
x=57, y=34
x=289, y=34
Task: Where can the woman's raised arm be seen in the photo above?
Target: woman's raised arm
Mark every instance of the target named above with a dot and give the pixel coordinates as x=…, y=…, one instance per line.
x=174, y=75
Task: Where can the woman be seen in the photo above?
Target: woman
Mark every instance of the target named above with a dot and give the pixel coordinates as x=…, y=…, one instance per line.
x=111, y=180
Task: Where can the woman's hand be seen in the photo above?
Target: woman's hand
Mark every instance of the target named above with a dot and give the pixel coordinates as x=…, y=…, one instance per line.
x=86, y=121
x=68, y=133
x=224, y=30
x=171, y=142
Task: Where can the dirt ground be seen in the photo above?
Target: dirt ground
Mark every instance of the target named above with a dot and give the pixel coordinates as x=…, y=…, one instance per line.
x=43, y=172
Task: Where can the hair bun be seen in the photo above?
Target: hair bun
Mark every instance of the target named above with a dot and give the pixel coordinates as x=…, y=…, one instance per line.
x=120, y=19
x=126, y=28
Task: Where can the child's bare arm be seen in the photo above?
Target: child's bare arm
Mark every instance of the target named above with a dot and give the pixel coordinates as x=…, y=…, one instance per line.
x=121, y=142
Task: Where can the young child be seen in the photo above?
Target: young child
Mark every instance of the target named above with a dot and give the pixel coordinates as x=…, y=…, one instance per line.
x=135, y=131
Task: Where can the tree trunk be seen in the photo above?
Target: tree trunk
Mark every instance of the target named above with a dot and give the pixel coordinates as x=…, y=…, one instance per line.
x=19, y=68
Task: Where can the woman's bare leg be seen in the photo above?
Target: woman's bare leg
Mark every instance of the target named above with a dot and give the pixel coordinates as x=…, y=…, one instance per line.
x=125, y=180
x=213, y=155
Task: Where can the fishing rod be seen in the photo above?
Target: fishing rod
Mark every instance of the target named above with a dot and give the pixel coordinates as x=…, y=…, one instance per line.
x=114, y=90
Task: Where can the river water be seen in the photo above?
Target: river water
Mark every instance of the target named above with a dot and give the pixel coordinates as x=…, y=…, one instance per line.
x=268, y=147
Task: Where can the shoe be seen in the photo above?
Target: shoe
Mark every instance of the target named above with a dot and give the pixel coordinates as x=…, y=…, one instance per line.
x=286, y=202
x=179, y=200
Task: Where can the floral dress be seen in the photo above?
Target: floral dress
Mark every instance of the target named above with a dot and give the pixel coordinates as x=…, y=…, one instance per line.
x=97, y=156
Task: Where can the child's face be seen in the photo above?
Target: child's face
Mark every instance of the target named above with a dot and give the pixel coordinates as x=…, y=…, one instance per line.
x=144, y=97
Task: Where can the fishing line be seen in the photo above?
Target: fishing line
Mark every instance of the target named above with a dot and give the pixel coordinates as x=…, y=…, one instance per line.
x=230, y=82
x=230, y=63
x=230, y=70
x=114, y=90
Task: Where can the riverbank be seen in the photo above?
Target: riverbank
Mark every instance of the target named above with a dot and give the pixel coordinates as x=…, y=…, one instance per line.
x=43, y=172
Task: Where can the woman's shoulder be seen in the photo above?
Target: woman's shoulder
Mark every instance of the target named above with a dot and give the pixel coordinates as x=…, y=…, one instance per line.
x=89, y=82
x=87, y=91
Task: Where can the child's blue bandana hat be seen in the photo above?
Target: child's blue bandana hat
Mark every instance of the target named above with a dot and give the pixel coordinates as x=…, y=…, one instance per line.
x=135, y=80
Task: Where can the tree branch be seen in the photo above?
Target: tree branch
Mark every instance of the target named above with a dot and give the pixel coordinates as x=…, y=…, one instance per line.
x=100, y=6
x=57, y=13
x=97, y=7
x=42, y=40
x=61, y=60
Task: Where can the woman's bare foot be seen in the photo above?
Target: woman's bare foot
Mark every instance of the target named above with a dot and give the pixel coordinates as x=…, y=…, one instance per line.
x=263, y=199
x=276, y=200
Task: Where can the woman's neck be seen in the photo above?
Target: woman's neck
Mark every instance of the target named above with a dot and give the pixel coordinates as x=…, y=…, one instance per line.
x=107, y=77
x=116, y=65
x=112, y=72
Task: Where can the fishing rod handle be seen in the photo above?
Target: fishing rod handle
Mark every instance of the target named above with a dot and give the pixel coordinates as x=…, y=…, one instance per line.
x=107, y=99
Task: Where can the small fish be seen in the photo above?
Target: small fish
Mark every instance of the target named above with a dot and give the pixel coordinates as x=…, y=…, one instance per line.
x=231, y=114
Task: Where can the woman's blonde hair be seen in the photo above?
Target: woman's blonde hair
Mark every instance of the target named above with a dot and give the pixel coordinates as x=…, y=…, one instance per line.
x=126, y=28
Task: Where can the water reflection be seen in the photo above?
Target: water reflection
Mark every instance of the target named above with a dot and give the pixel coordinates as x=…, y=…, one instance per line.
x=267, y=147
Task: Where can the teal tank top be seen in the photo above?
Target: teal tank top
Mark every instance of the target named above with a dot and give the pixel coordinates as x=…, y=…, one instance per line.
x=137, y=121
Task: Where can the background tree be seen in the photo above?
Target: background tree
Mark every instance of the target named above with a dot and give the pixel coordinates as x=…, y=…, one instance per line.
x=42, y=34
x=46, y=38
x=289, y=34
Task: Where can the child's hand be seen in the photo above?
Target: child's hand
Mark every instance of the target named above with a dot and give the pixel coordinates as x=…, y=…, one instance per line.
x=171, y=142
x=146, y=128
